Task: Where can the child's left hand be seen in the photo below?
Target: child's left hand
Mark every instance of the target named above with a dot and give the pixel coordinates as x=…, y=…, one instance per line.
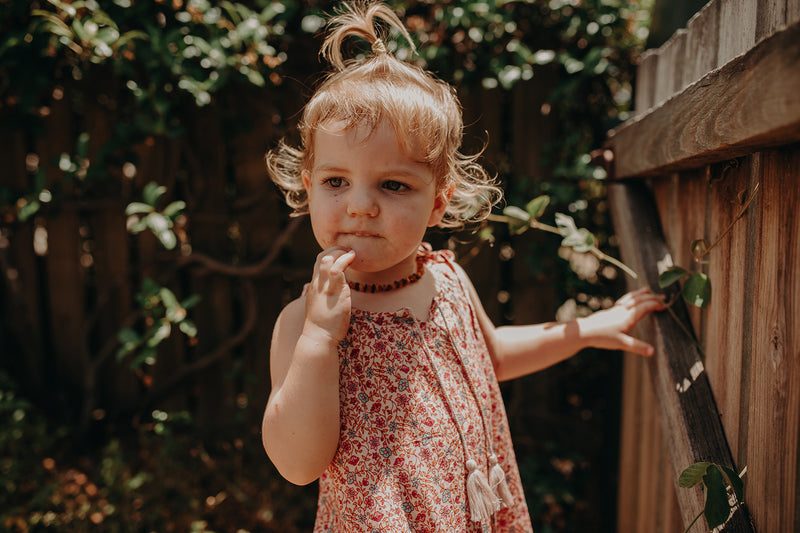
x=608, y=328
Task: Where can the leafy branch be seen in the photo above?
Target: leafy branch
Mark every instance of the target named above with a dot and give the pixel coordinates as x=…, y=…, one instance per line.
x=724, y=491
x=579, y=239
x=697, y=287
x=145, y=215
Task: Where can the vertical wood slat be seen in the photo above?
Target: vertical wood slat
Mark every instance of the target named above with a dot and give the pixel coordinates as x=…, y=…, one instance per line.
x=113, y=296
x=772, y=468
x=737, y=28
x=211, y=223
x=770, y=17
x=792, y=11
x=725, y=315
x=23, y=281
x=260, y=225
x=702, y=43
x=66, y=279
x=66, y=286
x=671, y=64
x=631, y=420
x=645, y=89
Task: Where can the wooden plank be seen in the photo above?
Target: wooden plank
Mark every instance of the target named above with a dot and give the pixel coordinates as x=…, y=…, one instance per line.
x=770, y=17
x=114, y=299
x=649, y=459
x=702, y=43
x=688, y=414
x=737, y=28
x=671, y=64
x=18, y=264
x=66, y=288
x=688, y=128
x=628, y=495
x=681, y=204
x=533, y=124
x=774, y=419
x=725, y=316
x=792, y=11
x=645, y=89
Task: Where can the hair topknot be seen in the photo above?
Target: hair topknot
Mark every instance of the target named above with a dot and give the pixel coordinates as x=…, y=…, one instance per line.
x=369, y=89
x=359, y=19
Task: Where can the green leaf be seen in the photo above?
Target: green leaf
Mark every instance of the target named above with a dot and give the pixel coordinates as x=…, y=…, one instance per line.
x=168, y=297
x=697, y=290
x=518, y=219
x=150, y=287
x=717, y=509
x=693, y=474
x=135, y=208
x=146, y=356
x=581, y=241
x=188, y=327
x=174, y=209
x=736, y=482
x=158, y=333
x=536, y=207
x=157, y=222
x=28, y=210
x=191, y=301
x=671, y=275
x=82, y=146
x=127, y=335
x=566, y=224
x=168, y=239
x=153, y=192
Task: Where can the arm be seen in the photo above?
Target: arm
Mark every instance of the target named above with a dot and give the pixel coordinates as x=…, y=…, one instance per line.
x=300, y=429
x=520, y=350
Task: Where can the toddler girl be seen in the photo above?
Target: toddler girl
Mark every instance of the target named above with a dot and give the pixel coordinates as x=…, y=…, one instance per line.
x=385, y=371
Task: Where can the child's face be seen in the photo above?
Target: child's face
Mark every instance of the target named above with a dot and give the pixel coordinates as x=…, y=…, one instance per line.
x=367, y=195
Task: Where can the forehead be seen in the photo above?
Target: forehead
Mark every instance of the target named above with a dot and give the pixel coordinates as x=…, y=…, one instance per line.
x=334, y=136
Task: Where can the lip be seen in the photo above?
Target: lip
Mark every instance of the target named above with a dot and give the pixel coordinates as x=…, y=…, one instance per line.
x=361, y=234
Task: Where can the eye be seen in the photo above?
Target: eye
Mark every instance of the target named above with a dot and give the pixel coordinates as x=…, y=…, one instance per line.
x=395, y=186
x=333, y=182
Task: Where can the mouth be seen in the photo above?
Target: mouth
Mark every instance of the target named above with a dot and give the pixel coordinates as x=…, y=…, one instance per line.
x=361, y=234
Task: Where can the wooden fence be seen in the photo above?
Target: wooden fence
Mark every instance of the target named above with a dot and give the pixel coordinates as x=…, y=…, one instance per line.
x=718, y=121
x=71, y=273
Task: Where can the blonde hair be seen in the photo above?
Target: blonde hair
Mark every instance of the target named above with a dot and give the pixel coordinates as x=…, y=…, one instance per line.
x=423, y=111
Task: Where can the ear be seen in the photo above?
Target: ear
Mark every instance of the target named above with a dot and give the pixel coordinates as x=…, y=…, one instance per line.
x=306, y=177
x=440, y=204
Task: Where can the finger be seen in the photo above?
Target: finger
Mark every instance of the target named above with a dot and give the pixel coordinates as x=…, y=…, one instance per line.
x=343, y=261
x=636, y=346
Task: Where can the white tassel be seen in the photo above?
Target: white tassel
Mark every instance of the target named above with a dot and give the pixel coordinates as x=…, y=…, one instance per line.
x=482, y=500
x=497, y=480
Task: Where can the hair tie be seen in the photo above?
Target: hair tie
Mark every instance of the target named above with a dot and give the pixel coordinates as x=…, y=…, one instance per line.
x=378, y=47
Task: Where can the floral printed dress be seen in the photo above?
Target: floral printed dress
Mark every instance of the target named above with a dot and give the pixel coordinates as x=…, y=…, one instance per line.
x=400, y=464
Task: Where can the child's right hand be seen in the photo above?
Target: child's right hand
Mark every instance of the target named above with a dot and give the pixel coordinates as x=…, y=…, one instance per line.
x=328, y=295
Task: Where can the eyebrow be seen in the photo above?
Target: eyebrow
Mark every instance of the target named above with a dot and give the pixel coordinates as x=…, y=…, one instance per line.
x=401, y=170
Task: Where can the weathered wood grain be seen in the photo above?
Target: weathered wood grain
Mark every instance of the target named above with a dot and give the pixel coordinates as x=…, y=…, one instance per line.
x=725, y=323
x=770, y=17
x=632, y=418
x=774, y=419
x=687, y=410
x=737, y=28
x=702, y=43
x=645, y=89
x=726, y=114
x=671, y=66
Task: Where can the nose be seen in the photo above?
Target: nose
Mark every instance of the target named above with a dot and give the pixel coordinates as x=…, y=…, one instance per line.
x=361, y=202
